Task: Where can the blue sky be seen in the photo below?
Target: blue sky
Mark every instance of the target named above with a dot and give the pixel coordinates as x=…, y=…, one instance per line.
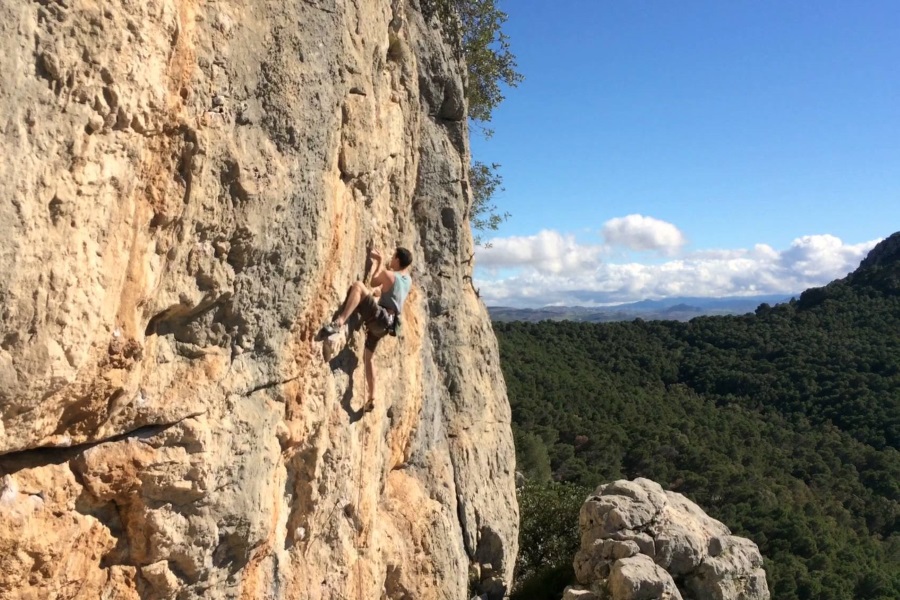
x=692, y=148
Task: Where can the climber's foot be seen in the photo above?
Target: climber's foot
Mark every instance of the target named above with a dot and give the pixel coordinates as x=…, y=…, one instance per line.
x=370, y=405
x=332, y=328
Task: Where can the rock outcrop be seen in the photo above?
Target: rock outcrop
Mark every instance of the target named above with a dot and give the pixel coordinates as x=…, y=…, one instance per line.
x=189, y=189
x=639, y=542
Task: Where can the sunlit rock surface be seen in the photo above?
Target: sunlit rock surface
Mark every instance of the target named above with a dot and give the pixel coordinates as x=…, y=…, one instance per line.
x=189, y=188
x=639, y=542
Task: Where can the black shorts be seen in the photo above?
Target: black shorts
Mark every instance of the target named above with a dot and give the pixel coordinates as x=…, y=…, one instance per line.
x=377, y=319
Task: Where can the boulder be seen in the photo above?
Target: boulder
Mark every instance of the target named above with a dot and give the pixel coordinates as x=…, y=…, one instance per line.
x=732, y=569
x=639, y=578
x=637, y=540
x=579, y=593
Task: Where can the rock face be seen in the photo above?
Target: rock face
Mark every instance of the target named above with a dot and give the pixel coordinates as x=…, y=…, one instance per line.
x=639, y=542
x=189, y=189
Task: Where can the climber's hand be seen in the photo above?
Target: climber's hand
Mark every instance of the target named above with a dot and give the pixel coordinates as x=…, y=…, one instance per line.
x=375, y=255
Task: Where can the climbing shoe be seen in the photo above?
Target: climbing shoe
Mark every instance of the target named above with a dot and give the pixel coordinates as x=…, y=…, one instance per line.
x=331, y=328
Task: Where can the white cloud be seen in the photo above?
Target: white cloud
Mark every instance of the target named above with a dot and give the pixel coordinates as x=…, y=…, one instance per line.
x=638, y=232
x=817, y=256
x=573, y=274
x=547, y=252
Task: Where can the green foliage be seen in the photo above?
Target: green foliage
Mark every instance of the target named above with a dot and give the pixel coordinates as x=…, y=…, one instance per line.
x=533, y=461
x=483, y=215
x=548, y=538
x=783, y=424
x=546, y=584
x=475, y=28
x=488, y=58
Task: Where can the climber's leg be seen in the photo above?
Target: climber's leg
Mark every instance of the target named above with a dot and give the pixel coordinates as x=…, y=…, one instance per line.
x=357, y=292
x=355, y=295
x=369, y=360
x=373, y=336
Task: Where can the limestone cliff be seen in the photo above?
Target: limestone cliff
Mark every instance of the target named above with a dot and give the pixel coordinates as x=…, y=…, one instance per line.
x=189, y=188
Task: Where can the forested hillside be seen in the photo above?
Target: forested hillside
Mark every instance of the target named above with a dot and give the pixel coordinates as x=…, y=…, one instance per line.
x=784, y=424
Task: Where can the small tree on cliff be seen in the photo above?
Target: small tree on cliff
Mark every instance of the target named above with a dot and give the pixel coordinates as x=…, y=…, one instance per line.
x=474, y=27
x=489, y=61
x=485, y=181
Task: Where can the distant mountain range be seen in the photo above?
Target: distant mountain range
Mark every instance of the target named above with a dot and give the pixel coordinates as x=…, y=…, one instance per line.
x=673, y=309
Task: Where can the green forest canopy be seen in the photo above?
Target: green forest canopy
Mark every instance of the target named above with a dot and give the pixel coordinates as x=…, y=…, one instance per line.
x=783, y=424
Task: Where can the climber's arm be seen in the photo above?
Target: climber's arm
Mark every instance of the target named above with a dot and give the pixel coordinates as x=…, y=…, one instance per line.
x=382, y=279
x=377, y=265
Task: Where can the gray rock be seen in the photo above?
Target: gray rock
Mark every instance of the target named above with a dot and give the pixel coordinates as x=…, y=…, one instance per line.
x=622, y=505
x=589, y=565
x=735, y=571
x=639, y=578
x=638, y=539
x=577, y=593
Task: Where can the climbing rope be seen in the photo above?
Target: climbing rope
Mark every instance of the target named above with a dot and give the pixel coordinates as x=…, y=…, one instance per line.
x=362, y=544
x=359, y=517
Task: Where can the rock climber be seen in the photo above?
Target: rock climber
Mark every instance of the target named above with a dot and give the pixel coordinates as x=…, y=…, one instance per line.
x=378, y=306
